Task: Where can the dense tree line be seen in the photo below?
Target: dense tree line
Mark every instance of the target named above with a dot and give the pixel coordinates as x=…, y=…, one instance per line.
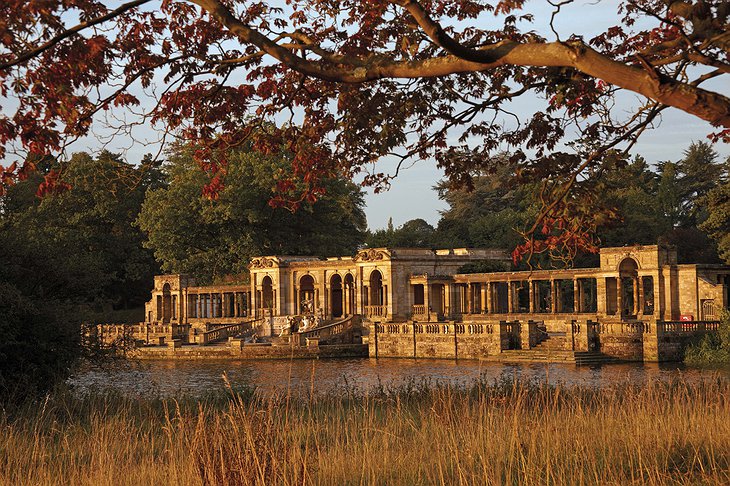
x=684, y=203
x=68, y=257
x=89, y=248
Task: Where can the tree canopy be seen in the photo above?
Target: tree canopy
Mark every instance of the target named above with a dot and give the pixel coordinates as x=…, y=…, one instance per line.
x=350, y=82
x=682, y=202
x=212, y=238
x=68, y=258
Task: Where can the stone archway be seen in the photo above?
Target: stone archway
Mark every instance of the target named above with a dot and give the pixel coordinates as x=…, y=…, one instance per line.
x=267, y=293
x=337, y=304
x=349, y=294
x=307, y=301
x=166, y=303
x=628, y=287
x=377, y=297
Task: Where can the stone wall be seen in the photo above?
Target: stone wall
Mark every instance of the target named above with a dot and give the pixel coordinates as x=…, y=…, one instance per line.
x=622, y=340
x=672, y=338
x=442, y=340
x=250, y=351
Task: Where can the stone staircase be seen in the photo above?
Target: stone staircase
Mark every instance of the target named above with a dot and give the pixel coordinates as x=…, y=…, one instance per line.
x=555, y=341
x=580, y=358
x=554, y=348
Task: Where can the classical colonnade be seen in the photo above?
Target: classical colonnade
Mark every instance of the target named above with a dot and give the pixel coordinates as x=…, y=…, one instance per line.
x=337, y=296
x=219, y=304
x=625, y=295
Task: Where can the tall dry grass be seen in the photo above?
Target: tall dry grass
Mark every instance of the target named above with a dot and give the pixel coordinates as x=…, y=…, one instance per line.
x=504, y=433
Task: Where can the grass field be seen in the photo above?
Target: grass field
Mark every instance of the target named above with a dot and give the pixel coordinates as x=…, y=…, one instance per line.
x=500, y=433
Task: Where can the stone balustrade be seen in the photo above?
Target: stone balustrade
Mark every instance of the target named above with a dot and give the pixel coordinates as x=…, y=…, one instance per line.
x=376, y=311
x=687, y=326
x=419, y=310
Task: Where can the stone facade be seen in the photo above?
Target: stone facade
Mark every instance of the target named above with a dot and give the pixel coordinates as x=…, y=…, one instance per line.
x=374, y=283
x=639, y=304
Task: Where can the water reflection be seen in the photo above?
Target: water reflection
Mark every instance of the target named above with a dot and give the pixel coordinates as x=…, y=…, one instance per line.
x=175, y=378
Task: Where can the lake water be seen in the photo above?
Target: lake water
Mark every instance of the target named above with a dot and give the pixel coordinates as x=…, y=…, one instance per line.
x=176, y=378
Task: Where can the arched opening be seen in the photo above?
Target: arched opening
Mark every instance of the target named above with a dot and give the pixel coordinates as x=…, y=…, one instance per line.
x=336, y=296
x=306, y=295
x=267, y=293
x=628, y=291
x=349, y=284
x=376, y=289
x=166, y=303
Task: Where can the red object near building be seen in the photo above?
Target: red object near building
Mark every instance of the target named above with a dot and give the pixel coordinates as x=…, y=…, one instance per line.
x=686, y=317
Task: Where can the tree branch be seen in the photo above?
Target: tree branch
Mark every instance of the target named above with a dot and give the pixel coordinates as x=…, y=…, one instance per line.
x=25, y=56
x=707, y=105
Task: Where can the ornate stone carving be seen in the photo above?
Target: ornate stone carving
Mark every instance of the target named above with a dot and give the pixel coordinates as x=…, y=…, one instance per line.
x=371, y=255
x=263, y=262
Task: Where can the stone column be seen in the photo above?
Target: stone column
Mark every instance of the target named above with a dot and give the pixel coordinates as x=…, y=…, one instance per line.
x=576, y=296
x=582, y=296
x=619, y=297
x=447, y=299
x=601, y=307
x=636, y=296
x=427, y=298
x=553, y=297
x=469, y=300
x=510, y=297
x=641, y=295
x=531, y=295
x=326, y=311
x=345, y=299
x=483, y=296
x=490, y=299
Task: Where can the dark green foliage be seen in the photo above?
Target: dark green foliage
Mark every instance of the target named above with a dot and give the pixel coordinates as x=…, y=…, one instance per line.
x=67, y=258
x=632, y=189
x=488, y=215
x=39, y=345
x=416, y=233
x=717, y=224
x=713, y=348
x=209, y=239
x=485, y=266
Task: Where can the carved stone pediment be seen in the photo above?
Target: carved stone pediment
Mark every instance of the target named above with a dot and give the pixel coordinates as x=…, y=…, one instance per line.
x=372, y=255
x=263, y=262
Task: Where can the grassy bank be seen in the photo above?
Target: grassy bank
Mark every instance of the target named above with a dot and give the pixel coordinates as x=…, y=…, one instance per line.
x=511, y=433
x=713, y=349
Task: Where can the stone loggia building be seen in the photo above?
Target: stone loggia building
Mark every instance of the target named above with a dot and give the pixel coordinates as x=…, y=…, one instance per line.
x=639, y=304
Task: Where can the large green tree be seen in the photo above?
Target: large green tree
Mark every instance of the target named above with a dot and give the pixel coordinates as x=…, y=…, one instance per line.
x=213, y=237
x=682, y=194
x=416, y=233
x=491, y=213
x=68, y=257
x=632, y=190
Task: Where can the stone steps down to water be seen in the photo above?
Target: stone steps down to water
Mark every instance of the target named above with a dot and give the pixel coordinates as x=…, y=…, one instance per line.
x=555, y=348
x=555, y=356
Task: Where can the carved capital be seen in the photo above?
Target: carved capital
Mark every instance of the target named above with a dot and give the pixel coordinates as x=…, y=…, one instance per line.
x=262, y=262
x=372, y=254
